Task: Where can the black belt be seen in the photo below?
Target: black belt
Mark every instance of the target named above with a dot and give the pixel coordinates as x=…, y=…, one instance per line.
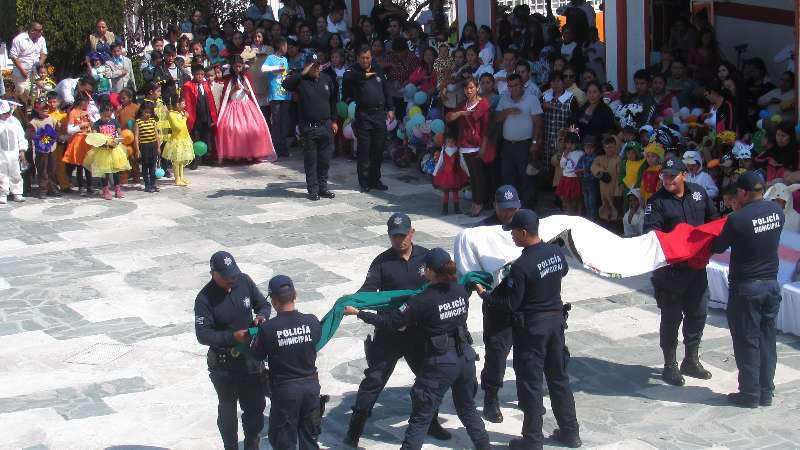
x=292, y=380
x=314, y=123
x=543, y=314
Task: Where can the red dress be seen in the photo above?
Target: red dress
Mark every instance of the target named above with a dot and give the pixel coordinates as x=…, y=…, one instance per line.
x=242, y=131
x=451, y=171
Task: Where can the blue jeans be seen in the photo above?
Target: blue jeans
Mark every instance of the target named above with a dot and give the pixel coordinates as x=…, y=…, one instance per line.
x=591, y=198
x=752, y=308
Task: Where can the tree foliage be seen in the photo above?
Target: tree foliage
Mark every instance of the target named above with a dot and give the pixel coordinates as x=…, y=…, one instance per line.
x=67, y=25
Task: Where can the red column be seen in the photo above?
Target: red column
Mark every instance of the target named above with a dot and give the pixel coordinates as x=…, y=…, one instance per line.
x=622, y=45
x=471, y=10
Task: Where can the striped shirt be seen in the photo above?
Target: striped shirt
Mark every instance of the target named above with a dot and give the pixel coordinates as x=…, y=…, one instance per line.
x=147, y=130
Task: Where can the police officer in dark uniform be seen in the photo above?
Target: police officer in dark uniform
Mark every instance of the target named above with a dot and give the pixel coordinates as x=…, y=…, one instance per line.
x=679, y=289
x=317, y=95
x=497, y=333
x=399, y=267
x=439, y=314
x=532, y=292
x=367, y=85
x=225, y=305
x=753, y=233
x=288, y=342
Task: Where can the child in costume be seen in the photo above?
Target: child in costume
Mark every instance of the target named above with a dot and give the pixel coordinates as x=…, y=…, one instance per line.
x=649, y=181
x=147, y=145
x=60, y=119
x=162, y=118
x=179, y=148
x=107, y=157
x=78, y=126
x=569, y=186
x=126, y=116
x=101, y=75
x=590, y=185
x=12, y=150
x=45, y=139
x=633, y=220
x=606, y=169
x=450, y=173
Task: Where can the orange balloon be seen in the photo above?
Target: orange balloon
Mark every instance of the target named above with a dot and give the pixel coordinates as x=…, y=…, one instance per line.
x=439, y=139
x=127, y=137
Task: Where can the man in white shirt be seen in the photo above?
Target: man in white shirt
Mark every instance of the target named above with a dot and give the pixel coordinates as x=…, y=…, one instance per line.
x=121, y=70
x=521, y=116
x=27, y=49
x=530, y=86
x=696, y=174
x=260, y=10
x=337, y=24
x=508, y=65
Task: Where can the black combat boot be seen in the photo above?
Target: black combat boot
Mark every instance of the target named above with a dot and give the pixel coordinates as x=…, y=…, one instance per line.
x=491, y=406
x=355, y=429
x=483, y=445
x=570, y=439
x=691, y=365
x=435, y=429
x=671, y=374
x=252, y=442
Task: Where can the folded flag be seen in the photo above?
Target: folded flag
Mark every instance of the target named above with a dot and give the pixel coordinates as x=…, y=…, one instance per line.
x=489, y=249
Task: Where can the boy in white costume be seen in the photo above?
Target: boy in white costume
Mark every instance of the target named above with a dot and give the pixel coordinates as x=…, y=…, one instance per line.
x=12, y=149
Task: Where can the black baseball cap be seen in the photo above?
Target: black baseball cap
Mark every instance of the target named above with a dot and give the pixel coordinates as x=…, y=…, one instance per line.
x=507, y=197
x=436, y=258
x=223, y=263
x=280, y=285
x=750, y=182
x=399, y=223
x=524, y=219
x=673, y=166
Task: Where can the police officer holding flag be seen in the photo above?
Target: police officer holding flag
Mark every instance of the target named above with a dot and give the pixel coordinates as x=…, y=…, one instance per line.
x=439, y=314
x=679, y=289
x=753, y=232
x=532, y=292
x=223, y=310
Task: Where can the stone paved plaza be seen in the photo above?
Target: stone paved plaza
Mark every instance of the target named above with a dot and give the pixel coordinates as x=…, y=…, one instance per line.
x=97, y=347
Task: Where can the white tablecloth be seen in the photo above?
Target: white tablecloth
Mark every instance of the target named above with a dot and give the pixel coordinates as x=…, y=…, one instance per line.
x=788, y=319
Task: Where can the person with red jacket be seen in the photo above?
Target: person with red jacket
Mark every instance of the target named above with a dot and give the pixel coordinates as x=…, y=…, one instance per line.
x=201, y=110
x=472, y=120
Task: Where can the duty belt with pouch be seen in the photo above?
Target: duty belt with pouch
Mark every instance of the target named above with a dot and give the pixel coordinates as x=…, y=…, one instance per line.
x=523, y=320
x=440, y=344
x=225, y=357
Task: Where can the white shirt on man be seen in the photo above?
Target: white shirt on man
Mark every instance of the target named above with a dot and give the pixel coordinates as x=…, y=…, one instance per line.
x=519, y=127
x=26, y=51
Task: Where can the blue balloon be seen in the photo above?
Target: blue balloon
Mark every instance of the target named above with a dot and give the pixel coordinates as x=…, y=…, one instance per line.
x=351, y=110
x=410, y=128
x=420, y=98
x=797, y=128
x=416, y=120
x=434, y=113
x=160, y=173
x=409, y=90
x=437, y=126
x=764, y=114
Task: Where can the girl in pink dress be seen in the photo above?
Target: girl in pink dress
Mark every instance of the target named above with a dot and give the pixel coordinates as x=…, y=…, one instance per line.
x=242, y=132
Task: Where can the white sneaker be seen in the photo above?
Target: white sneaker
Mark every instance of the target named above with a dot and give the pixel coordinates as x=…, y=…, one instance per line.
x=17, y=198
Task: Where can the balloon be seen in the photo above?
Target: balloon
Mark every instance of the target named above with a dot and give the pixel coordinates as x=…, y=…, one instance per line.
x=126, y=137
x=418, y=132
x=391, y=124
x=439, y=139
x=760, y=124
x=348, y=131
x=351, y=110
x=130, y=124
x=417, y=119
x=420, y=98
x=764, y=114
x=669, y=112
x=200, y=148
x=691, y=119
x=400, y=133
x=668, y=120
x=437, y=126
x=341, y=110
x=425, y=128
x=697, y=112
x=683, y=112
x=410, y=128
x=684, y=128
x=160, y=173
x=414, y=111
x=777, y=118
x=797, y=128
x=434, y=113
x=409, y=90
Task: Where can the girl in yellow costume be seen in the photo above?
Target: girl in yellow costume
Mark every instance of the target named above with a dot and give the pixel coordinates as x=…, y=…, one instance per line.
x=107, y=157
x=179, y=148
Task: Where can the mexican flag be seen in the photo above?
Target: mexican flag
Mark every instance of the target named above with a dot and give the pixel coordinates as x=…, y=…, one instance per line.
x=599, y=250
